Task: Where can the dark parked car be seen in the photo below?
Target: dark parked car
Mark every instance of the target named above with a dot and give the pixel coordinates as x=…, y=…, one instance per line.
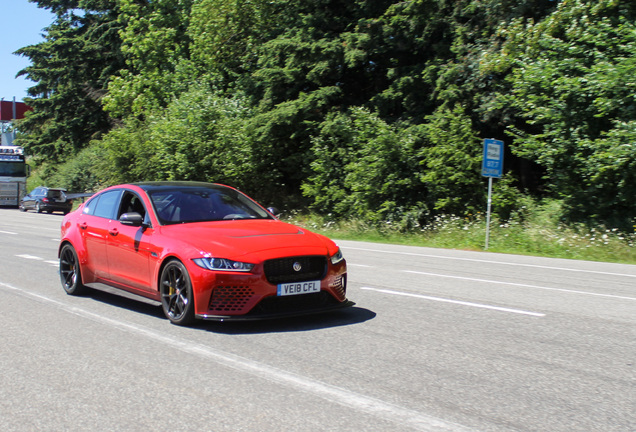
x=44, y=199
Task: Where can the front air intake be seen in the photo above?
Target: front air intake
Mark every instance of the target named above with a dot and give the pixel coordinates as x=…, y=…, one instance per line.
x=230, y=299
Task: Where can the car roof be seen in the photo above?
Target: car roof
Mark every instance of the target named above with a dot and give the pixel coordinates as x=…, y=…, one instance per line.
x=158, y=185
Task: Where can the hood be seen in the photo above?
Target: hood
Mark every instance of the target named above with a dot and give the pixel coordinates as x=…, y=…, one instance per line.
x=242, y=238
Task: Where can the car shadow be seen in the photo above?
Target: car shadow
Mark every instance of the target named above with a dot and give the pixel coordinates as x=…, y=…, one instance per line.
x=337, y=318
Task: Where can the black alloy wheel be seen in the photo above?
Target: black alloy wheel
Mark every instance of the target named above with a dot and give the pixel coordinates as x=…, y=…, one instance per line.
x=70, y=275
x=176, y=293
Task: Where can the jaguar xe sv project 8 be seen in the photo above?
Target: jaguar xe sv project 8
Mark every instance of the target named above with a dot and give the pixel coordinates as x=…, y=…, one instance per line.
x=205, y=251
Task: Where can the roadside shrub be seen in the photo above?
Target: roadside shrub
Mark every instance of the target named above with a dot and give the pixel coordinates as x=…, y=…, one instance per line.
x=366, y=169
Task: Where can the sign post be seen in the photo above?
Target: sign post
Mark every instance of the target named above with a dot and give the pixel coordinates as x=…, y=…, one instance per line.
x=491, y=167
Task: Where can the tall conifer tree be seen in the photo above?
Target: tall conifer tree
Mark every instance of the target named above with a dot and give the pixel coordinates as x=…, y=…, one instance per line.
x=71, y=69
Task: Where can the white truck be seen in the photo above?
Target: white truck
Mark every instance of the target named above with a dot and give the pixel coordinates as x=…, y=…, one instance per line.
x=13, y=175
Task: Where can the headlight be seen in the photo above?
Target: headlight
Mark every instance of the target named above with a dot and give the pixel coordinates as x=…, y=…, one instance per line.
x=337, y=257
x=222, y=264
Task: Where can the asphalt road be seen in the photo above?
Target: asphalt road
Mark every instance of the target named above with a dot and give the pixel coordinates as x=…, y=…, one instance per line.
x=439, y=340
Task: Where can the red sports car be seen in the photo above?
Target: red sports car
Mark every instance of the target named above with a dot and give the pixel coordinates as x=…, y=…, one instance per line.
x=203, y=250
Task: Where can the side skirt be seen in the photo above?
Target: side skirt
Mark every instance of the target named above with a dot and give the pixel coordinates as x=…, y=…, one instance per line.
x=142, y=296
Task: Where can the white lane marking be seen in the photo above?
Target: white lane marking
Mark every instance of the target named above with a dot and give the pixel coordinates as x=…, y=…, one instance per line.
x=36, y=258
x=8, y=232
x=492, y=262
x=458, y=302
x=358, y=265
x=37, y=228
x=330, y=393
x=523, y=285
x=31, y=257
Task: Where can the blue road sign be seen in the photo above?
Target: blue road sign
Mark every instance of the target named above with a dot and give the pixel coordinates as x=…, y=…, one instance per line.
x=492, y=164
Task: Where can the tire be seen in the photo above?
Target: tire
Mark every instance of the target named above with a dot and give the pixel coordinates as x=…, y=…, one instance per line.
x=175, y=288
x=70, y=274
x=22, y=208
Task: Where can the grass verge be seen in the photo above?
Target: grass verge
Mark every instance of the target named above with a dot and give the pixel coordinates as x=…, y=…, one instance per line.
x=538, y=234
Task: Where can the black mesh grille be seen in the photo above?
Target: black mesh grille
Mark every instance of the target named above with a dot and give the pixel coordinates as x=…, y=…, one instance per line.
x=295, y=269
x=230, y=298
x=340, y=286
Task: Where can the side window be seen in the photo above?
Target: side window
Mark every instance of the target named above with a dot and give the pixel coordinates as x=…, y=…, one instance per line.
x=90, y=206
x=131, y=203
x=106, y=204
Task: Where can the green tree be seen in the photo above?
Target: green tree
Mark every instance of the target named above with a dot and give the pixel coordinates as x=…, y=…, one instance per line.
x=373, y=109
x=572, y=89
x=367, y=169
x=155, y=46
x=226, y=33
x=202, y=136
x=71, y=69
x=452, y=162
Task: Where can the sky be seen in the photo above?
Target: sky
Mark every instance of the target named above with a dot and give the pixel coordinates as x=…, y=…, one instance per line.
x=22, y=25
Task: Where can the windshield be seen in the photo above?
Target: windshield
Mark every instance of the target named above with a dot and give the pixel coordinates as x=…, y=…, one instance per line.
x=197, y=204
x=13, y=169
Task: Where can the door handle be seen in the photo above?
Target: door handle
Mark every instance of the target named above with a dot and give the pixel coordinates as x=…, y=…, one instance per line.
x=113, y=231
x=83, y=225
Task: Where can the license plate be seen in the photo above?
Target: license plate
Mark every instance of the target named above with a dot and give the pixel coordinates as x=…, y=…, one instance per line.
x=296, y=288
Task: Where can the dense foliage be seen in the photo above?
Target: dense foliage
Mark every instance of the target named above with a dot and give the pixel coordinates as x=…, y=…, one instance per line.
x=71, y=69
x=373, y=109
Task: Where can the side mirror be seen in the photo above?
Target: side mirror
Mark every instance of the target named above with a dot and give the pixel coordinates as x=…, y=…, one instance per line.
x=131, y=219
x=274, y=211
